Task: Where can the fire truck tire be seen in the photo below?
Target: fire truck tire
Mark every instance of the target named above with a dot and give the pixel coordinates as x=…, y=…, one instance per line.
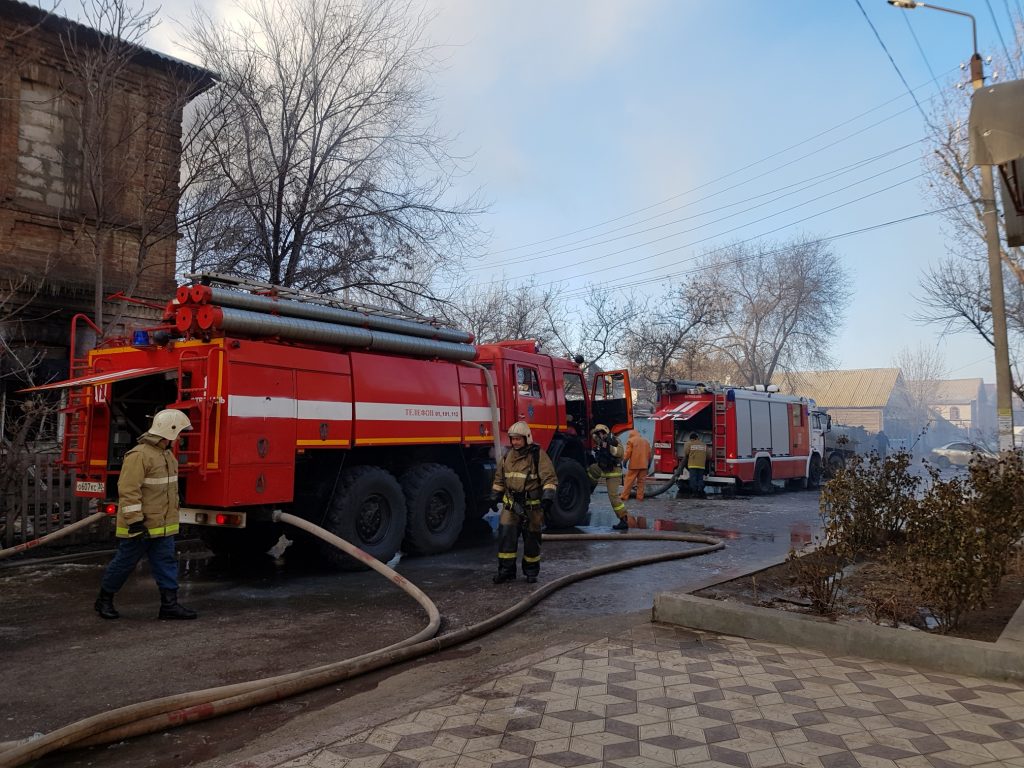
x=435, y=504
x=368, y=510
x=763, y=477
x=814, y=473
x=572, y=500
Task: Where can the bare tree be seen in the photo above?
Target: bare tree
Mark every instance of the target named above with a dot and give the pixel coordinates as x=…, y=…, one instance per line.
x=669, y=336
x=956, y=291
x=322, y=170
x=923, y=369
x=780, y=305
x=501, y=311
x=594, y=327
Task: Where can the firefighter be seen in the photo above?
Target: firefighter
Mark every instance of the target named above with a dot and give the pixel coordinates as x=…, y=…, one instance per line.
x=525, y=484
x=638, y=457
x=147, y=517
x=608, y=467
x=695, y=454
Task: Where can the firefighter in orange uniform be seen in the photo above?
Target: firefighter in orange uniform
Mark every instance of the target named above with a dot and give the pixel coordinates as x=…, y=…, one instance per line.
x=147, y=517
x=608, y=467
x=695, y=454
x=638, y=457
x=524, y=484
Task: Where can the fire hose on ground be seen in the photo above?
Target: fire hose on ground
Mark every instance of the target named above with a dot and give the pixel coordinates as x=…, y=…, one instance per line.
x=181, y=709
x=50, y=537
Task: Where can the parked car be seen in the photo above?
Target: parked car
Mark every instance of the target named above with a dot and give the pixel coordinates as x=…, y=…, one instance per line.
x=958, y=454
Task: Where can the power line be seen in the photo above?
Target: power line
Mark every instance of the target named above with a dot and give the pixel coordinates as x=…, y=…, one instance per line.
x=713, y=221
x=729, y=231
x=556, y=250
x=764, y=159
x=892, y=61
x=999, y=33
x=663, y=278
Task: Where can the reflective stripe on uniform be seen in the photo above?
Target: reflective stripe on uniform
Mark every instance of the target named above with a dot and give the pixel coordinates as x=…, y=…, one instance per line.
x=617, y=507
x=522, y=475
x=612, y=474
x=531, y=559
x=131, y=508
x=506, y=555
x=160, y=480
x=550, y=487
x=123, y=533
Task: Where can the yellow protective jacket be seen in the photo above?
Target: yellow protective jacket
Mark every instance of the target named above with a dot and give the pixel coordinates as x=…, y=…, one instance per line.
x=518, y=473
x=638, y=451
x=148, y=490
x=695, y=454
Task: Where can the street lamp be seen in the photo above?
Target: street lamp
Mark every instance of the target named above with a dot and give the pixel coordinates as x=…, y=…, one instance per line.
x=1004, y=403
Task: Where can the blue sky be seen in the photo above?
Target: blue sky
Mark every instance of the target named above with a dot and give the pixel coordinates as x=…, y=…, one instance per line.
x=579, y=112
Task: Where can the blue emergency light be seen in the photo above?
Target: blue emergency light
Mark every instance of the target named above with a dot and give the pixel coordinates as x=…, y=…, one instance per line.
x=140, y=339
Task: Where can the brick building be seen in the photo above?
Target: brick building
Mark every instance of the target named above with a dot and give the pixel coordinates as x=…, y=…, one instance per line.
x=90, y=153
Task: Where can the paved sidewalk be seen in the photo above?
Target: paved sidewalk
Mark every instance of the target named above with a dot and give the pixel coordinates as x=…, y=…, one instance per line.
x=663, y=696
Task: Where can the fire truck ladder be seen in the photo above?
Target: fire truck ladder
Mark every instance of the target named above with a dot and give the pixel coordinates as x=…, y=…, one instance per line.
x=199, y=404
x=77, y=413
x=719, y=439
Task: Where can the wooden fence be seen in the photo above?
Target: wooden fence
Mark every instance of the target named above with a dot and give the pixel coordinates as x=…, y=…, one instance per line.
x=44, y=501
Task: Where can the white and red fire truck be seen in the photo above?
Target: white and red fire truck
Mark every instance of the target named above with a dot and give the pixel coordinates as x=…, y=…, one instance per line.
x=379, y=427
x=755, y=436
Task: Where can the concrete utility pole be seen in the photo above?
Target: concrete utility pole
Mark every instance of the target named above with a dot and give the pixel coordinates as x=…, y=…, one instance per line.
x=997, y=298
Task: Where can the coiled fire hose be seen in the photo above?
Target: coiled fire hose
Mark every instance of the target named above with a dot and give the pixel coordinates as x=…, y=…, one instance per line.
x=180, y=709
x=51, y=536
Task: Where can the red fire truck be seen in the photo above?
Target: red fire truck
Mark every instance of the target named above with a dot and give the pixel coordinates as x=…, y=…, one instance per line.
x=380, y=427
x=754, y=436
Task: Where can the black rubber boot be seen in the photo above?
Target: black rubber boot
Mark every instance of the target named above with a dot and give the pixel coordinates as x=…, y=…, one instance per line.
x=170, y=608
x=622, y=525
x=531, y=578
x=503, y=576
x=104, y=605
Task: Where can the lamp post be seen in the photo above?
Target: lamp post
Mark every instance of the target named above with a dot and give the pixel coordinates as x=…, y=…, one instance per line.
x=1004, y=403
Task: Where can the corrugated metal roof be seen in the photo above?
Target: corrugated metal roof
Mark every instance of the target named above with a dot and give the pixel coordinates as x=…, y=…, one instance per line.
x=33, y=14
x=950, y=391
x=862, y=388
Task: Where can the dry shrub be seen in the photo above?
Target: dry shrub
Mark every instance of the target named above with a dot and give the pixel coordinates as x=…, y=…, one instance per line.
x=819, y=577
x=880, y=587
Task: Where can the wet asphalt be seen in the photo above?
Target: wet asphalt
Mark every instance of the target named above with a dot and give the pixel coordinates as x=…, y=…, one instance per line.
x=60, y=662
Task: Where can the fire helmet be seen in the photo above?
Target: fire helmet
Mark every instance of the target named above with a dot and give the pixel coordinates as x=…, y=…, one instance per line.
x=169, y=423
x=521, y=429
x=600, y=428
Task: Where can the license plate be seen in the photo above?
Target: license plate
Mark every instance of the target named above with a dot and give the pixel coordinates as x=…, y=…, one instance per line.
x=87, y=486
x=663, y=445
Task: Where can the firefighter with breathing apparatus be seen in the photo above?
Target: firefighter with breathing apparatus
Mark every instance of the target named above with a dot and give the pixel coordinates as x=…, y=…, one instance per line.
x=147, y=517
x=607, y=466
x=524, y=484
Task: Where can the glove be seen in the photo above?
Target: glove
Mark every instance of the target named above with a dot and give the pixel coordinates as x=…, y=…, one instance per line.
x=546, y=504
x=495, y=501
x=137, y=528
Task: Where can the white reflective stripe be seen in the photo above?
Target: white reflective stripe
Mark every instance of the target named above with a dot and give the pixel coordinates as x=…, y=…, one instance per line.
x=160, y=480
x=256, y=406
x=408, y=412
x=476, y=413
x=324, y=410
x=131, y=508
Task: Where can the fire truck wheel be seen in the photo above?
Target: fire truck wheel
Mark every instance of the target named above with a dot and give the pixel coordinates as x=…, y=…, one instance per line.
x=573, y=497
x=436, y=508
x=763, y=476
x=814, y=473
x=368, y=510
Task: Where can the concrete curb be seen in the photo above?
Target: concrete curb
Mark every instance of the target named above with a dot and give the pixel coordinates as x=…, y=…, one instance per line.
x=919, y=649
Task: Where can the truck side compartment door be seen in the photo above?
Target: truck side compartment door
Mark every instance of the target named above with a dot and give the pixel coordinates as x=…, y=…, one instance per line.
x=612, y=400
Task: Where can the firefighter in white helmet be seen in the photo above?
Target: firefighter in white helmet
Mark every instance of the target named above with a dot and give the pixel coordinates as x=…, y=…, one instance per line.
x=607, y=466
x=525, y=484
x=147, y=517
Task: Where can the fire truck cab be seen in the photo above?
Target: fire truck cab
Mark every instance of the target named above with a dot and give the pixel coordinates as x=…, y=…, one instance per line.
x=380, y=428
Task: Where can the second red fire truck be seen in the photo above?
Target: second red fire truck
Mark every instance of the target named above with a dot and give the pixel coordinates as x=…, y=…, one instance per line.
x=379, y=427
x=755, y=436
